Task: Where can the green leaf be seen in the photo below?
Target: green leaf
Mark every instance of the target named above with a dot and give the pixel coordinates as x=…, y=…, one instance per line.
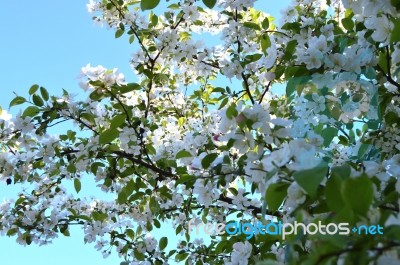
x=219, y=90
x=382, y=61
x=33, y=89
x=154, y=20
x=12, y=231
x=66, y=232
x=310, y=179
x=181, y=256
x=130, y=233
x=117, y=121
x=156, y=223
x=154, y=206
x=130, y=187
x=265, y=43
x=358, y=193
x=138, y=255
x=209, y=3
x=99, y=216
x=131, y=39
x=333, y=193
x=108, y=136
x=31, y=111
x=231, y=111
x=252, y=25
x=185, y=179
x=148, y=4
x=223, y=103
x=17, y=101
x=275, y=195
x=129, y=87
x=364, y=148
x=44, y=93
x=265, y=23
x=163, y=242
x=182, y=154
x=396, y=31
x=342, y=171
x=328, y=134
x=293, y=84
x=119, y=33
x=37, y=100
x=122, y=197
x=208, y=159
x=71, y=168
x=27, y=238
x=252, y=58
x=348, y=23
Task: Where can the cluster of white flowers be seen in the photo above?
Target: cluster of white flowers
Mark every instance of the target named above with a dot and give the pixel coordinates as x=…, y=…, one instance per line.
x=241, y=253
x=99, y=73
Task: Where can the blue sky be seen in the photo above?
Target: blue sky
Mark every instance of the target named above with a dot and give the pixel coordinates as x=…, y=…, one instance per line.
x=47, y=42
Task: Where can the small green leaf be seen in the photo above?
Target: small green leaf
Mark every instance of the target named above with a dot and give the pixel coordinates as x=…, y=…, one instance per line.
x=181, y=256
x=31, y=111
x=310, y=179
x=130, y=233
x=131, y=39
x=185, y=179
x=208, y=159
x=265, y=43
x=182, y=154
x=33, y=89
x=119, y=33
x=12, y=231
x=348, y=23
x=156, y=223
x=231, y=111
x=71, y=168
x=99, y=216
x=163, y=243
x=17, y=101
x=396, y=31
x=223, y=103
x=117, y=121
x=328, y=134
x=45, y=94
x=108, y=136
x=130, y=187
x=382, y=61
x=265, y=23
x=154, y=19
x=148, y=4
x=252, y=58
x=252, y=25
x=275, y=195
x=122, y=196
x=37, y=100
x=129, y=87
x=154, y=206
x=364, y=148
x=209, y=3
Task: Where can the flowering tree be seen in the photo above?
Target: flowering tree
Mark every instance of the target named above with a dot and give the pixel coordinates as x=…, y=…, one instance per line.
x=203, y=136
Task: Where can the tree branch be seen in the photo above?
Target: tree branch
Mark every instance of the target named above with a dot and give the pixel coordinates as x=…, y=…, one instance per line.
x=265, y=91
